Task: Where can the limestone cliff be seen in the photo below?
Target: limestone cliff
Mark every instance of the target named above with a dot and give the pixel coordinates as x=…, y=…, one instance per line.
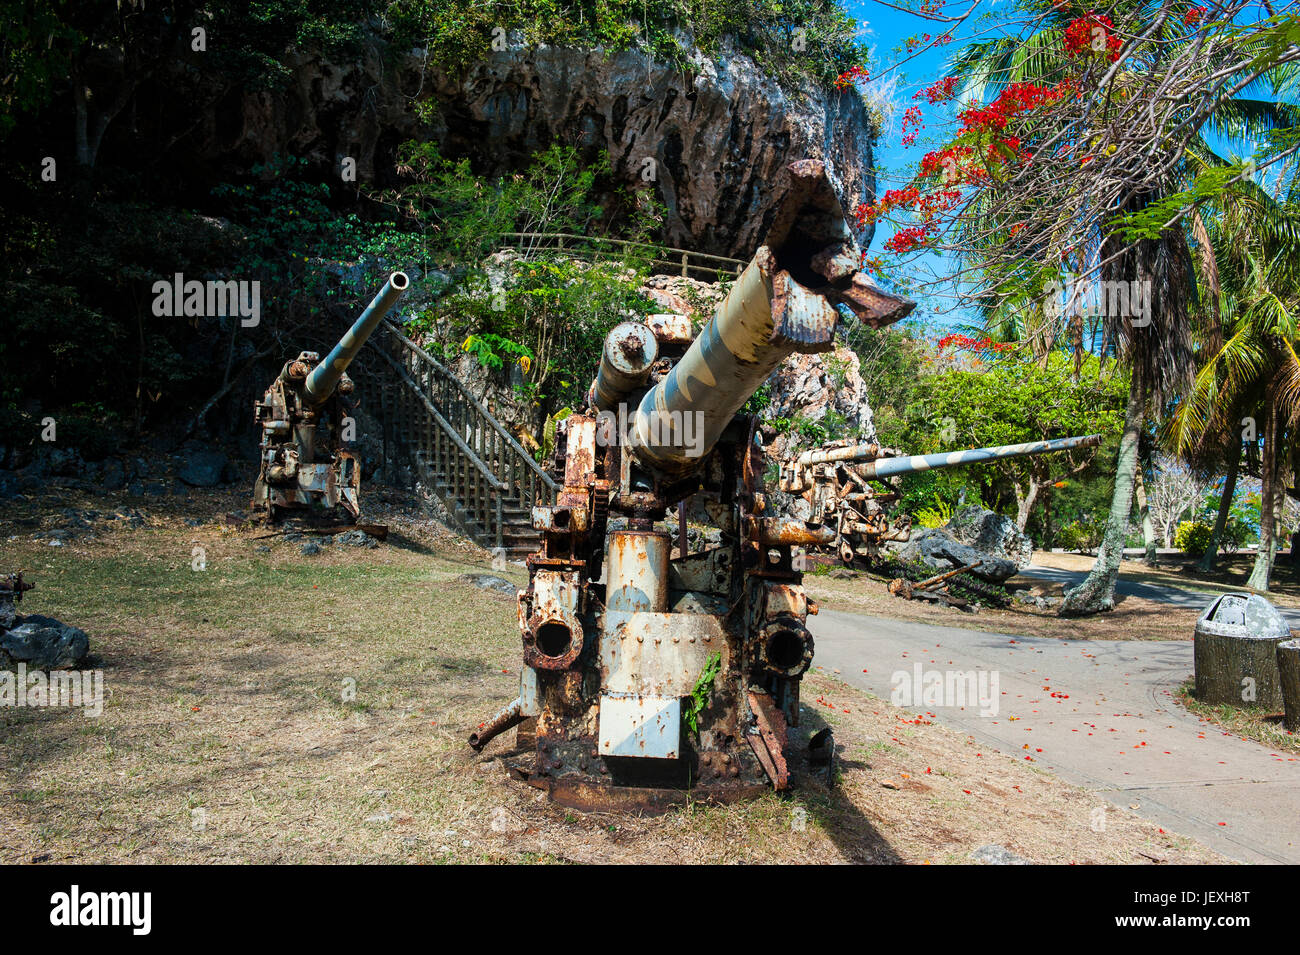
x=717, y=134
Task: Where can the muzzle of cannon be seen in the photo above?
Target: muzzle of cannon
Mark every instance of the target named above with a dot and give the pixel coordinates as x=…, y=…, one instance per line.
x=307, y=422
x=832, y=488
x=655, y=672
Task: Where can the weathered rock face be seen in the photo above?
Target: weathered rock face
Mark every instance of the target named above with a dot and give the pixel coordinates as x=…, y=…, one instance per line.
x=936, y=548
x=810, y=386
x=711, y=142
x=992, y=533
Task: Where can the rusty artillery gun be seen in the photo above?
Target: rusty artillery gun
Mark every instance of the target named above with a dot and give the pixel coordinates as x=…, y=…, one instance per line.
x=306, y=421
x=832, y=487
x=651, y=676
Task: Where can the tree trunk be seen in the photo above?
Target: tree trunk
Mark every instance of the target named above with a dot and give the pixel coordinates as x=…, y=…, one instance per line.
x=1288, y=665
x=1025, y=504
x=1263, y=568
x=1148, y=529
x=1211, y=554
x=1224, y=663
x=1097, y=591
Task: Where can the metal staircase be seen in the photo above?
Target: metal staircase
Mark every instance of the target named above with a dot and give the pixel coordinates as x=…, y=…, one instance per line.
x=457, y=448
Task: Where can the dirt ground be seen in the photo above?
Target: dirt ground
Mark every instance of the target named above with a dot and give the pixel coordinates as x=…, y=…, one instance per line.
x=275, y=707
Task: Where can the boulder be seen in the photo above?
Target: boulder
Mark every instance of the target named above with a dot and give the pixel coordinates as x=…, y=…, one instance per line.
x=357, y=538
x=993, y=534
x=492, y=583
x=203, y=468
x=935, y=547
x=43, y=643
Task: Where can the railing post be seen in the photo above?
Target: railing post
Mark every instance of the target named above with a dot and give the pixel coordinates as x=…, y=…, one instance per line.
x=499, y=522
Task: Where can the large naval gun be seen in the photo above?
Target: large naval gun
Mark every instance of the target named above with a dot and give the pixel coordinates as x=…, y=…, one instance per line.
x=832, y=484
x=306, y=417
x=652, y=676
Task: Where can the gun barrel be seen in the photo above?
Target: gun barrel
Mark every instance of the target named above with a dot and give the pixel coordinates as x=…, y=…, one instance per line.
x=827, y=455
x=323, y=379
x=783, y=302
x=887, y=467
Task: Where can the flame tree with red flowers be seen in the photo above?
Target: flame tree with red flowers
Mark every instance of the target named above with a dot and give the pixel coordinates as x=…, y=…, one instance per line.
x=1080, y=151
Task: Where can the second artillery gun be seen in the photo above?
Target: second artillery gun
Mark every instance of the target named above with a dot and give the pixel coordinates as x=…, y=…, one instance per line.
x=306, y=418
x=833, y=487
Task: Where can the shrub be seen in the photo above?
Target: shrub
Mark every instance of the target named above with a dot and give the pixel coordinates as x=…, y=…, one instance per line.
x=1079, y=535
x=935, y=516
x=1193, y=537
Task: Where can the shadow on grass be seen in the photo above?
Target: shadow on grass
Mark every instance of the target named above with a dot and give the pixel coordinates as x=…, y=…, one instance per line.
x=829, y=805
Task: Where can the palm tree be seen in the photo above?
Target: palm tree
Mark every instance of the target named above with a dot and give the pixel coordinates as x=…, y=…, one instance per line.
x=1160, y=354
x=1248, y=384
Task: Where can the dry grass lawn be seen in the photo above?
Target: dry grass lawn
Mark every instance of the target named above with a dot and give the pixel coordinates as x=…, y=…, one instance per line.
x=228, y=735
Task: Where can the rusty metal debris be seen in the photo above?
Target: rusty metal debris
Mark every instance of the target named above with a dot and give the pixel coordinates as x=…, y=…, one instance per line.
x=656, y=673
x=12, y=588
x=928, y=588
x=306, y=417
x=833, y=490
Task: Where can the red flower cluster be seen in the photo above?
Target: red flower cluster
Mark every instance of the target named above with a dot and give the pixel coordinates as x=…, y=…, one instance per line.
x=1092, y=34
x=905, y=240
x=940, y=91
x=967, y=343
x=946, y=162
x=1193, y=16
x=1015, y=99
x=912, y=117
x=893, y=199
x=850, y=77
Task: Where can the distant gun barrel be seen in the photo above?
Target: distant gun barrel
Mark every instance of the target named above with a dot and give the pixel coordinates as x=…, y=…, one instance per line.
x=907, y=464
x=324, y=378
x=630, y=351
x=783, y=302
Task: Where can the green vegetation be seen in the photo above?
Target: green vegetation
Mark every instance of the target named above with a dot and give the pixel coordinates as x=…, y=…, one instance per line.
x=541, y=312
x=1248, y=722
x=1193, y=537
x=811, y=38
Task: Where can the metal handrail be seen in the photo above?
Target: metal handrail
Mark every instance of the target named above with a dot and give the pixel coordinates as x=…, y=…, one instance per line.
x=486, y=472
x=685, y=262
x=522, y=456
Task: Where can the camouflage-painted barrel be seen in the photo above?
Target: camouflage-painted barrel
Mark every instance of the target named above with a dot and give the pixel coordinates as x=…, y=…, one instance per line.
x=906, y=464
x=324, y=378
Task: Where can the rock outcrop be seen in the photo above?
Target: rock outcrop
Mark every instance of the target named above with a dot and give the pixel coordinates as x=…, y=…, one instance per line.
x=973, y=534
x=43, y=643
x=936, y=548
x=993, y=534
x=810, y=387
x=710, y=141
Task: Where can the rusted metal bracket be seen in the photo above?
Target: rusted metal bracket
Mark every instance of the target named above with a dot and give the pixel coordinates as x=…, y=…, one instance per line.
x=768, y=742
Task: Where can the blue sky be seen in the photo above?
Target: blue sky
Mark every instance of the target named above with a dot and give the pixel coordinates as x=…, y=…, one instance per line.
x=897, y=77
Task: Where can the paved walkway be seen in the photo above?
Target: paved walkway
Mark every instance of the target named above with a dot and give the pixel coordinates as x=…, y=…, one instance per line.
x=1187, y=597
x=1113, y=726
